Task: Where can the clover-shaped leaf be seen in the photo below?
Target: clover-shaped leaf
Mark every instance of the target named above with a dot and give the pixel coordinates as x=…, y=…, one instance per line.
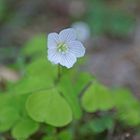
x=49, y=107
x=97, y=97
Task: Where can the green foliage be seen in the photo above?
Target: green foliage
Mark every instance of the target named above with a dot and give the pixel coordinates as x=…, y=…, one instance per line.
x=49, y=138
x=98, y=124
x=78, y=81
x=82, y=81
x=131, y=116
x=13, y=116
x=128, y=107
x=97, y=98
x=36, y=46
x=50, y=107
x=40, y=98
x=39, y=75
x=65, y=135
x=8, y=114
x=120, y=98
x=106, y=19
x=2, y=8
x=8, y=117
x=121, y=24
x=64, y=87
x=24, y=128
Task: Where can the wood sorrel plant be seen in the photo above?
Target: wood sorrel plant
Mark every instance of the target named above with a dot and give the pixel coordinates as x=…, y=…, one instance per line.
x=38, y=101
x=37, y=98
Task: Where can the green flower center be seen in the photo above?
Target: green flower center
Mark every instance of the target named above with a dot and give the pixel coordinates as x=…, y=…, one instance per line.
x=62, y=47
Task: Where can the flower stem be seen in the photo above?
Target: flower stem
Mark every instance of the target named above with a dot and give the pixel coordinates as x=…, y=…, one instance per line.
x=59, y=73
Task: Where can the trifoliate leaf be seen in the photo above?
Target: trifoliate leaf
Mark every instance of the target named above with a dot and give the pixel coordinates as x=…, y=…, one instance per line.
x=49, y=107
x=97, y=97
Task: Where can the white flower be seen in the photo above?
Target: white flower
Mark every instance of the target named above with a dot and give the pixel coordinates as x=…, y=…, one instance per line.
x=63, y=48
x=82, y=29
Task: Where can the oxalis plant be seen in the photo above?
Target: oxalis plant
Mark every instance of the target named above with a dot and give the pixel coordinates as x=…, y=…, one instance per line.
x=55, y=100
x=63, y=50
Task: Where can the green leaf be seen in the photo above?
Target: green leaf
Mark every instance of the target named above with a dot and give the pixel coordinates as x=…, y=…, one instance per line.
x=130, y=114
x=99, y=125
x=32, y=84
x=5, y=100
x=37, y=45
x=128, y=107
x=49, y=130
x=19, y=101
x=82, y=80
x=39, y=75
x=8, y=117
x=42, y=67
x=123, y=98
x=8, y=113
x=65, y=135
x=12, y=108
x=66, y=87
x=24, y=128
x=97, y=97
x=49, y=107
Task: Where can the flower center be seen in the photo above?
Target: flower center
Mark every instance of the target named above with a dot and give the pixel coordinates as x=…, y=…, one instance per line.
x=62, y=47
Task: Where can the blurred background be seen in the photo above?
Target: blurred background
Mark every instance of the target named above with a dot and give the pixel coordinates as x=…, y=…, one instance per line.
x=113, y=40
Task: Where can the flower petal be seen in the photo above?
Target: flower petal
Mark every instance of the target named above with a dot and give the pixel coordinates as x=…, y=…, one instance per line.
x=82, y=29
x=67, y=35
x=68, y=60
x=53, y=39
x=77, y=48
x=54, y=56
